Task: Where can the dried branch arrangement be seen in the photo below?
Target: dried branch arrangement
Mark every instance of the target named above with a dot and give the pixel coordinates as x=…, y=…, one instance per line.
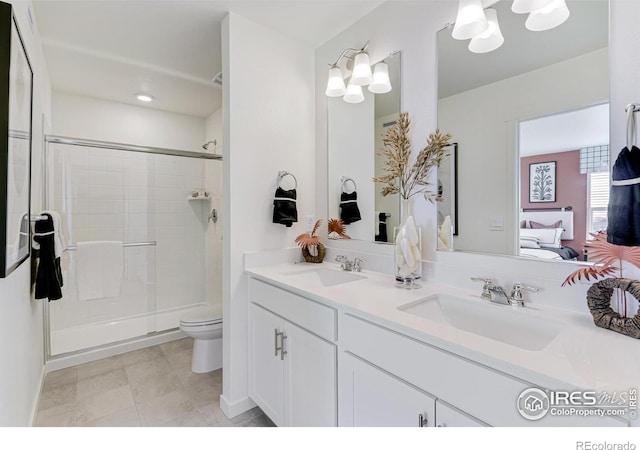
x=309, y=240
x=402, y=177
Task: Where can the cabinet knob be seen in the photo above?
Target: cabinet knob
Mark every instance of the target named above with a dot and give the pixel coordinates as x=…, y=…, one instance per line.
x=422, y=420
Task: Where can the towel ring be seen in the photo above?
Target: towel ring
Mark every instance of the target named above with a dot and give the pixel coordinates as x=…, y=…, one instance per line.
x=344, y=181
x=284, y=173
x=631, y=109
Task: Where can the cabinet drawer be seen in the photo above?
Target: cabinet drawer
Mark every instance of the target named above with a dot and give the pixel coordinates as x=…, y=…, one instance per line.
x=308, y=314
x=484, y=393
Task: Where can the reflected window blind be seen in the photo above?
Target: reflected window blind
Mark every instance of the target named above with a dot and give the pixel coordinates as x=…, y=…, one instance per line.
x=594, y=159
x=598, y=201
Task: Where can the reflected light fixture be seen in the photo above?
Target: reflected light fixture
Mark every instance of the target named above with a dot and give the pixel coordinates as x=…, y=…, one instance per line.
x=145, y=97
x=552, y=15
x=527, y=6
x=490, y=39
x=470, y=21
x=361, y=75
x=381, y=83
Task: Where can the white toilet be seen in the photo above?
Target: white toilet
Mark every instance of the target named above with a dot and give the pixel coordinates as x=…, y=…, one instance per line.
x=204, y=325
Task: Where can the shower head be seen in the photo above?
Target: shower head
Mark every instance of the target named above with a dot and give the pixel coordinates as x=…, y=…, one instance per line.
x=206, y=146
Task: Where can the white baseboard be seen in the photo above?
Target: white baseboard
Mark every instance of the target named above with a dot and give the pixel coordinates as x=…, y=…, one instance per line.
x=232, y=409
x=36, y=402
x=62, y=362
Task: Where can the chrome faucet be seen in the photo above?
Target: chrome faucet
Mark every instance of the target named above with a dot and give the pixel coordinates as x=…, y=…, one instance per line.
x=496, y=294
x=345, y=264
x=348, y=266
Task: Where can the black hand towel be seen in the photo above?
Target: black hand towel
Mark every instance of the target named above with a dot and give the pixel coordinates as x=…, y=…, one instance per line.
x=382, y=228
x=349, y=211
x=624, y=201
x=49, y=276
x=284, y=207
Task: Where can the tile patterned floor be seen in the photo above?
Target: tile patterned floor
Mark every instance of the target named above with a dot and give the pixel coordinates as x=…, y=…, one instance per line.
x=151, y=387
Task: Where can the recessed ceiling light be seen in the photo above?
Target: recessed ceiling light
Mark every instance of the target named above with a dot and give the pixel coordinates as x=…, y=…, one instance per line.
x=144, y=97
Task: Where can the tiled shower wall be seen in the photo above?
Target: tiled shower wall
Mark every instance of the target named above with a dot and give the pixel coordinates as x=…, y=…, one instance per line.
x=131, y=197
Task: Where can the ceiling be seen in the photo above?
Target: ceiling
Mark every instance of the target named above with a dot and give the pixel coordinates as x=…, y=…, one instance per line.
x=587, y=127
x=171, y=49
x=459, y=70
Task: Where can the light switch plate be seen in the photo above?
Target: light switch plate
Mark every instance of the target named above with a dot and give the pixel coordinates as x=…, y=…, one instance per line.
x=496, y=223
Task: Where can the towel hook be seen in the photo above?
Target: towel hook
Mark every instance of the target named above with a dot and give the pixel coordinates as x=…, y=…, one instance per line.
x=284, y=173
x=344, y=181
x=631, y=109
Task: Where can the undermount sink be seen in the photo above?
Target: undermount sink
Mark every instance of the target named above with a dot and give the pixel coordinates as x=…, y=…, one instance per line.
x=518, y=328
x=329, y=277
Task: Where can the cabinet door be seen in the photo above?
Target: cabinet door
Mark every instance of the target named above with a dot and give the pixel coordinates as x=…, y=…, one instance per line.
x=383, y=400
x=265, y=367
x=448, y=416
x=310, y=379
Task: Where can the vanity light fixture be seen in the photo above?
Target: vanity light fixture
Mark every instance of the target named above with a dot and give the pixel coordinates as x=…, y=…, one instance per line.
x=354, y=94
x=381, y=83
x=473, y=22
x=145, y=97
x=490, y=39
x=361, y=75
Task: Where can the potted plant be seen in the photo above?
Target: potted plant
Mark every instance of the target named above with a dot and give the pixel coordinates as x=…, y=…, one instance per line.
x=608, y=260
x=312, y=249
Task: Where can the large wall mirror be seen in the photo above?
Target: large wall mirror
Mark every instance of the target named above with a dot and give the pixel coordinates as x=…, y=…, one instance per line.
x=354, y=138
x=531, y=123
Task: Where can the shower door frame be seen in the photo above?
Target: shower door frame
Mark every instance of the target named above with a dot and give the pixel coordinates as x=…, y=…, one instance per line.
x=106, y=145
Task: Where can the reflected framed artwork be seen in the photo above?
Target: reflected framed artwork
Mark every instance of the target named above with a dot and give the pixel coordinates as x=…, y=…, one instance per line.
x=448, y=187
x=16, y=100
x=542, y=182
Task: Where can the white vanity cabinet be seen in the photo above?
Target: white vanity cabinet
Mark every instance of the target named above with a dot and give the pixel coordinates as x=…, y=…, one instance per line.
x=375, y=398
x=449, y=416
x=292, y=357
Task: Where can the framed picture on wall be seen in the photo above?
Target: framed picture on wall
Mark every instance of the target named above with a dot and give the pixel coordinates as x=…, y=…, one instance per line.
x=448, y=188
x=542, y=182
x=16, y=94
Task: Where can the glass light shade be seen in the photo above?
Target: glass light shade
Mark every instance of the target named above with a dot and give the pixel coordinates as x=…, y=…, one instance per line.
x=490, y=39
x=381, y=83
x=552, y=15
x=470, y=21
x=361, y=75
x=354, y=94
x=335, y=85
x=527, y=6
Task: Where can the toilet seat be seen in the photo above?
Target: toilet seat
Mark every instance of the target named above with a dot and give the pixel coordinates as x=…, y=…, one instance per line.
x=202, y=317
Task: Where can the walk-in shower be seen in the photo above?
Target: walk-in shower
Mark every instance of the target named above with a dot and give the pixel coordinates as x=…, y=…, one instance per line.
x=142, y=197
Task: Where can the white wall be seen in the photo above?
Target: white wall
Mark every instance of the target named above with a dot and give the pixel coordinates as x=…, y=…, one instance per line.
x=21, y=331
x=478, y=120
x=268, y=126
x=213, y=181
x=90, y=118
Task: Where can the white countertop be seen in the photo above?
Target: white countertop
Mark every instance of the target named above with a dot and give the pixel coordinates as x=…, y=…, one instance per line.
x=582, y=356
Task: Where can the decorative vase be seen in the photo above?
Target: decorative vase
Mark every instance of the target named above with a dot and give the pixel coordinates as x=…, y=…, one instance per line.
x=318, y=257
x=408, y=248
